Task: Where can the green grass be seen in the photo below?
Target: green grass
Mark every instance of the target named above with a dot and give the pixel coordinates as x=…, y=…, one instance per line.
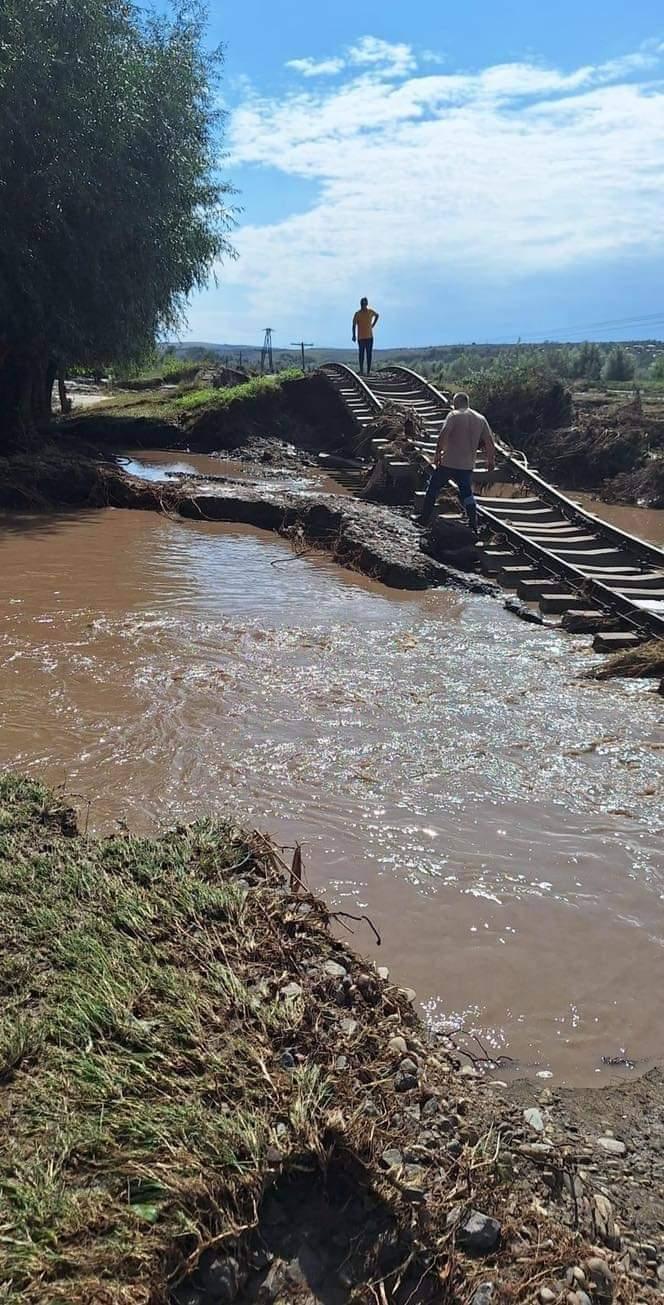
x=166, y=406
x=134, y=1044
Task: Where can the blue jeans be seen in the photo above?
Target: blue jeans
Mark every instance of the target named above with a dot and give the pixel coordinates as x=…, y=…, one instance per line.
x=366, y=351
x=464, y=483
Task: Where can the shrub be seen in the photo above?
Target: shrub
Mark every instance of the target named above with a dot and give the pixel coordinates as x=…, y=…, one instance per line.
x=521, y=397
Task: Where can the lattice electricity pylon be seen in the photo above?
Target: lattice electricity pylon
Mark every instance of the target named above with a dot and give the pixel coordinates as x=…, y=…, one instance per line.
x=266, y=351
x=301, y=344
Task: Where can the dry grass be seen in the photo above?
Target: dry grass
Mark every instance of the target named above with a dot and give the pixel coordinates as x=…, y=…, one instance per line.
x=646, y=661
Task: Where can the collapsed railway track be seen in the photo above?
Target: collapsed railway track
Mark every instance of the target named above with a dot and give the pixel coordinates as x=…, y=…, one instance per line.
x=538, y=542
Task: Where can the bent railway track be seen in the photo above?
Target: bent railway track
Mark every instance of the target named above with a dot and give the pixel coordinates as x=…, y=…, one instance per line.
x=541, y=543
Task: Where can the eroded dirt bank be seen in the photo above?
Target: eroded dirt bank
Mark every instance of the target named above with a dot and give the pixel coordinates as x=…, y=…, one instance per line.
x=235, y=1107
x=364, y=536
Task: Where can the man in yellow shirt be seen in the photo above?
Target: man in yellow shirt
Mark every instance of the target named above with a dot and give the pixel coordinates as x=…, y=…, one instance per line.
x=363, y=328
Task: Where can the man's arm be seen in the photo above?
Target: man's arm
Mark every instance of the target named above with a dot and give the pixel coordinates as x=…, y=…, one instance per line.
x=376, y=318
x=489, y=445
x=354, y=327
x=440, y=447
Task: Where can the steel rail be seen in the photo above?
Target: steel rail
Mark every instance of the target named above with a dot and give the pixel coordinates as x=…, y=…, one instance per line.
x=545, y=559
x=566, y=506
x=357, y=381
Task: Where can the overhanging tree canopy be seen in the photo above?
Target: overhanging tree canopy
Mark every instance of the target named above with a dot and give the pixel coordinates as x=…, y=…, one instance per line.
x=111, y=207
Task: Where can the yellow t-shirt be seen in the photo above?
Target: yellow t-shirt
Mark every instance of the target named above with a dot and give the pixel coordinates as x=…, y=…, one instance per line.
x=363, y=323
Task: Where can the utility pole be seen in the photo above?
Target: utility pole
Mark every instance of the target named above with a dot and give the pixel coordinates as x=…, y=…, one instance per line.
x=302, y=345
x=266, y=351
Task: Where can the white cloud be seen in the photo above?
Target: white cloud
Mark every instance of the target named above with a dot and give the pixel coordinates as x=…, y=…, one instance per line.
x=314, y=68
x=393, y=60
x=383, y=57
x=464, y=179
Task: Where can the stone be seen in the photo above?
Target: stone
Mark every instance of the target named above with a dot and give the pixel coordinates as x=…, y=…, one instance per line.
x=534, y=1120
x=408, y=1066
x=383, y=973
x=341, y=1063
x=601, y=1278
x=392, y=1158
x=612, y=1146
x=484, y=1295
x=334, y=970
x=547, y=1296
x=535, y=1150
x=469, y=1072
x=660, y=1274
x=221, y=1280
x=430, y=1108
x=187, y=1296
x=409, y=994
x=605, y=1225
x=405, y=1082
x=428, y=1141
x=576, y=1277
x=479, y=1234
x=291, y=991
x=287, y=1060
x=349, y=1028
x=398, y=1046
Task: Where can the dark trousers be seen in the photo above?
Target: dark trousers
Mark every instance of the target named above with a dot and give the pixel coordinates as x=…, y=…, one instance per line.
x=464, y=483
x=366, y=351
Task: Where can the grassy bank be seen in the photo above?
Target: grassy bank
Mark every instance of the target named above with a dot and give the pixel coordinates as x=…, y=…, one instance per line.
x=304, y=410
x=204, y=1097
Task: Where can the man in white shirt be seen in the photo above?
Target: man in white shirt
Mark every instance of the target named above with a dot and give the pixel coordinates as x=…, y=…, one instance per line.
x=464, y=430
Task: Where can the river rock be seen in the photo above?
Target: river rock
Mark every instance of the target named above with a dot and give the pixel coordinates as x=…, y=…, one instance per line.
x=606, y=1228
x=547, y=1296
x=409, y=994
x=601, y=1277
x=612, y=1146
x=398, y=1046
x=349, y=1027
x=287, y=1060
x=392, y=1158
x=534, y=1120
x=291, y=991
x=408, y=1066
x=478, y=1234
x=383, y=973
x=405, y=1082
x=341, y=1063
x=334, y=970
x=484, y=1295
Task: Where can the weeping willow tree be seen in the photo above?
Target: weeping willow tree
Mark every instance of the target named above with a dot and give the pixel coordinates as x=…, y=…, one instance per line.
x=112, y=210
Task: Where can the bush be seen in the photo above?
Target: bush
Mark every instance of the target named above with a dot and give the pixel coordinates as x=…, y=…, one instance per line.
x=619, y=365
x=521, y=398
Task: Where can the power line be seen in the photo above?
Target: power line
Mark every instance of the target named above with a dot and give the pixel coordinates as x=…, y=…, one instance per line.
x=302, y=344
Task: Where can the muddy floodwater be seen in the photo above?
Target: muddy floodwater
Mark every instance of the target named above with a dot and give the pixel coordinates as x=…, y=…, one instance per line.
x=448, y=772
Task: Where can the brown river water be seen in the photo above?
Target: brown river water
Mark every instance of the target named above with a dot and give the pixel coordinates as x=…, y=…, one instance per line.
x=443, y=764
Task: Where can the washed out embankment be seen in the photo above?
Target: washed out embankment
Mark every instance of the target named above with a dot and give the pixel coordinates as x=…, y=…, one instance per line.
x=191, y=1064
x=364, y=536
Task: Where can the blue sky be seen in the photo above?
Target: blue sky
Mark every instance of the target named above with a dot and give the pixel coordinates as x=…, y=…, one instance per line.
x=486, y=171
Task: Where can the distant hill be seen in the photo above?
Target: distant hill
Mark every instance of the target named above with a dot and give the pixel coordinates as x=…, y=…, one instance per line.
x=441, y=362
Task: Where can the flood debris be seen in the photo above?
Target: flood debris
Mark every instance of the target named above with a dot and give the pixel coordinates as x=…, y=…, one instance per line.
x=646, y=660
x=199, y=1098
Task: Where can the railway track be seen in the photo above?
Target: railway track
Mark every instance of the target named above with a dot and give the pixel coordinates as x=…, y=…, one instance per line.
x=539, y=542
